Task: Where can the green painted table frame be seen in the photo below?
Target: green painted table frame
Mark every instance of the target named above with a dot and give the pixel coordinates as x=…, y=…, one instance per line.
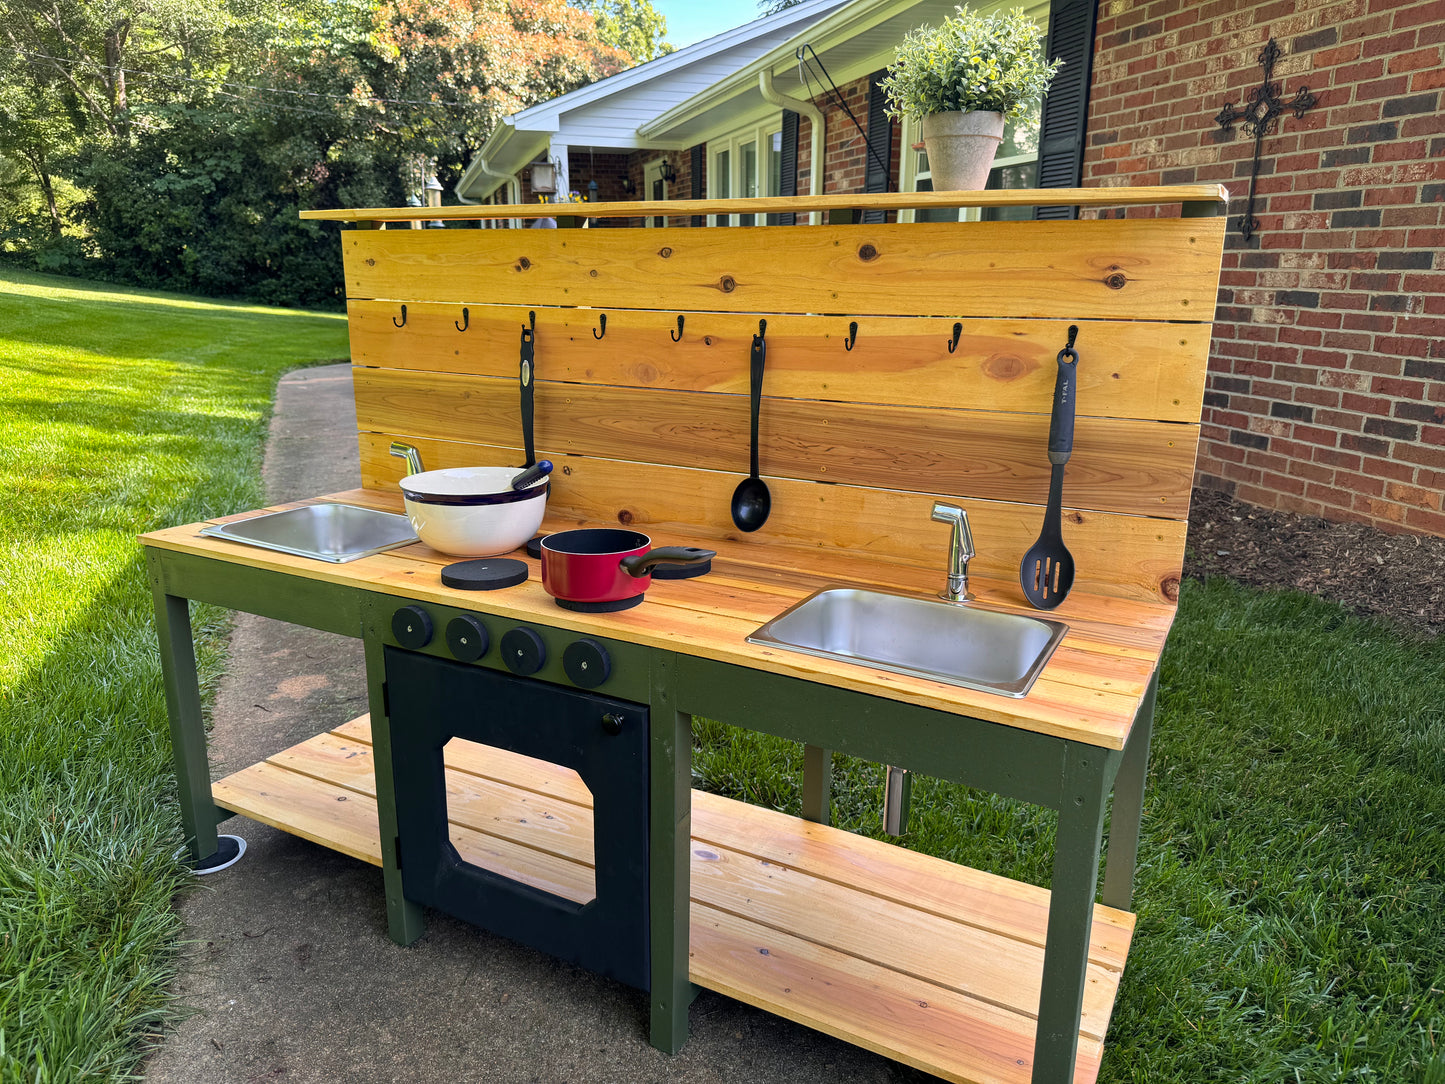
x=1068, y=776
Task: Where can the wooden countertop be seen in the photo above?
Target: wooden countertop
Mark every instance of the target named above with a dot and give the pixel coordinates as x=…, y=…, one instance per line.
x=1090, y=690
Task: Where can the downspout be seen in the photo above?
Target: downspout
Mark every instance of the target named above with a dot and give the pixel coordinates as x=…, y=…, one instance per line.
x=817, y=143
x=511, y=182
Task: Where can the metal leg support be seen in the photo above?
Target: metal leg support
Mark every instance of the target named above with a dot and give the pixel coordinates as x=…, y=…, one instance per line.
x=188, y=728
x=670, y=831
x=1129, y=806
x=897, y=799
x=404, y=920
x=1071, y=913
x=817, y=783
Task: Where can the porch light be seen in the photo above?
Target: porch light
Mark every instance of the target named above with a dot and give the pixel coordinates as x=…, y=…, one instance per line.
x=666, y=171
x=544, y=178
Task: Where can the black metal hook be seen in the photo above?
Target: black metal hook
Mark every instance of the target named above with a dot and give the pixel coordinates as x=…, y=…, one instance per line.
x=403, y=318
x=466, y=320
x=676, y=336
x=602, y=319
x=852, y=335
x=762, y=328
x=1073, y=334
x=957, y=331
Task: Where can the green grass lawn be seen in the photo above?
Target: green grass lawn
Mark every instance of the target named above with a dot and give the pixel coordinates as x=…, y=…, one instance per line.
x=1291, y=899
x=1291, y=889
x=120, y=411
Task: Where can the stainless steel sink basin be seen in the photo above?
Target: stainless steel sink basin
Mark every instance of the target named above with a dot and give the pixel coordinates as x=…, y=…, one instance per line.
x=325, y=532
x=960, y=645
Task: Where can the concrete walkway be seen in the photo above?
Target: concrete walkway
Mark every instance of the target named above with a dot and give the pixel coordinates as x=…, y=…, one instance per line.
x=288, y=967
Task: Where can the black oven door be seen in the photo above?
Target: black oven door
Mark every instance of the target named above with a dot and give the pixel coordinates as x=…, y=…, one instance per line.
x=604, y=740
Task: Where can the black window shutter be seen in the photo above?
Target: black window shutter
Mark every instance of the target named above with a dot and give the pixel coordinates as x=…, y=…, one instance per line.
x=880, y=144
x=697, y=178
x=789, y=183
x=1066, y=106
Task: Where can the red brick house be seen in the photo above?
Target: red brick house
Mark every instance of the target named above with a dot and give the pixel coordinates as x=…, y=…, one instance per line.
x=1327, y=384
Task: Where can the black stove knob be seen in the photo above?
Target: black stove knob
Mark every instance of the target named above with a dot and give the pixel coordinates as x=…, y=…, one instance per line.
x=467, y=637
x=523, y=651
x=411, y=625
x=587, y=663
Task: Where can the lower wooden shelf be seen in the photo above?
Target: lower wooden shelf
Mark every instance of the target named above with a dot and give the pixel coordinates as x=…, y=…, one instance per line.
x=923, y=961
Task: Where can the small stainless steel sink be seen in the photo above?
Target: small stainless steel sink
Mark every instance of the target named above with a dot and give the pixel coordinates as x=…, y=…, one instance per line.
x=960, y=645
x=324, y=532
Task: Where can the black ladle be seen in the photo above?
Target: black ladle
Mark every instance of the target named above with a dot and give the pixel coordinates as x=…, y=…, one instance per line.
x=751, y=500
x=1047, y=570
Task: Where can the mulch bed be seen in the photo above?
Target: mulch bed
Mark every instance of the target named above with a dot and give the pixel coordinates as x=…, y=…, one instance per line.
x=1400, y=577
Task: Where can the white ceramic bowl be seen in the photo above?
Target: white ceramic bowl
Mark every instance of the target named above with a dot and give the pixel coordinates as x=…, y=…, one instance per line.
x=473, y=511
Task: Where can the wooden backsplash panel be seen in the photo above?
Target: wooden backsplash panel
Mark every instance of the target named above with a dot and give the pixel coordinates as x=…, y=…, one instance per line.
x=856, y=444
x=1128, y=368
x=1118, y=464
x=1131, y=269
x=1129, y=556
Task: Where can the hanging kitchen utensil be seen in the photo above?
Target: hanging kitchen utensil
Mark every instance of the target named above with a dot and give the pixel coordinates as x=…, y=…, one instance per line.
x=531, y=474
x=529, y=335
x=751, y=500
x=1047, y=570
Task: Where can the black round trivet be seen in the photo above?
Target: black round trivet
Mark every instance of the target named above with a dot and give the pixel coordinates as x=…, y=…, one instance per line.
x=681, y=572
x=485, y=574
x=534, y=547
x=600, y=607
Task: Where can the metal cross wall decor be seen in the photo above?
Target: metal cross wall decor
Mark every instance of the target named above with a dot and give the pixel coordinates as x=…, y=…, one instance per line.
x=1259, y=114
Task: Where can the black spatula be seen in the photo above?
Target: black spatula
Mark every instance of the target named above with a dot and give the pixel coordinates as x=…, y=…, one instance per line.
x=1047, y=570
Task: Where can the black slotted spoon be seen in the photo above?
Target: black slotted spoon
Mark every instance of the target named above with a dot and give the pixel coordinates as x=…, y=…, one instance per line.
x=1047, y=570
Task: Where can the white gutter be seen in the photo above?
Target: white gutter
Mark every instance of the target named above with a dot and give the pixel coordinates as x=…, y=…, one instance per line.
x=817, y=142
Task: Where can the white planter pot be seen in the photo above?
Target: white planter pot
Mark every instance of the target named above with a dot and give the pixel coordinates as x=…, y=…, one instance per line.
x=961, y=148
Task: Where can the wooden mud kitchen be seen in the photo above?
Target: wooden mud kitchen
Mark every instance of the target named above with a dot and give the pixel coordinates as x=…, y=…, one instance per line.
x=909, y=372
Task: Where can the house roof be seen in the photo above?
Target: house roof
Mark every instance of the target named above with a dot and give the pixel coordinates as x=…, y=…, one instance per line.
x=853, y=40
x=610, y=112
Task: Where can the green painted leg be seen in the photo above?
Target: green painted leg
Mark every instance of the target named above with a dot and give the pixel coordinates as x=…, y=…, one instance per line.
x=817, y=783
x=1129, y=806
x=188, y=728
x=670, y=838
x=1071, y=913
x=404, y=920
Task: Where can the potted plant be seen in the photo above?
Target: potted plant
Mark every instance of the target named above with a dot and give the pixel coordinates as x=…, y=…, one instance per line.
x=965, y=79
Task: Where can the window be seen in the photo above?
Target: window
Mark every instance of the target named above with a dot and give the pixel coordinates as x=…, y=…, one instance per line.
x=739, y=169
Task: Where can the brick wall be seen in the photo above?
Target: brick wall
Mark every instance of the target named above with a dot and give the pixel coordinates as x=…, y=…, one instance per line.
x=845, y=153
x=1326, y=391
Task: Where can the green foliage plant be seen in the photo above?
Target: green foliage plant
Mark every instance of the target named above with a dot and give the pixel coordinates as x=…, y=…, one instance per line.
x=993, y=63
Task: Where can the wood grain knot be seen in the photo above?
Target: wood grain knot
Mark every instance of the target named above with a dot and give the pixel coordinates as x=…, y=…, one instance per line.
x=1116, y=281
x=664, y=252
x=523, y=264
x=867, y=252
x=727, y=284
x=1075, y=517
x=1170, y=588
x=1007, y=367
x=593, y=272
x=624, y=517
x=370, y=262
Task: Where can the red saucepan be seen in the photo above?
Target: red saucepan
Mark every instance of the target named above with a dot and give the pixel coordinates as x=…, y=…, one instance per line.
x=602, y=569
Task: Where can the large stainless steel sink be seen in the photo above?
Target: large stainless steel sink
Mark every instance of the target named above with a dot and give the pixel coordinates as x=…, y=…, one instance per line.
x=957, y=644
x=324, y=532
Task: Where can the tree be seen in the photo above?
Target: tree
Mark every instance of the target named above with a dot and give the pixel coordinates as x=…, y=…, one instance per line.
x=634, y=26
x=772, y=7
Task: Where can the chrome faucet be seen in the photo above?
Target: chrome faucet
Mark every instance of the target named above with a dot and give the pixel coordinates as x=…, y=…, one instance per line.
x=960, y=551
x=403, y=450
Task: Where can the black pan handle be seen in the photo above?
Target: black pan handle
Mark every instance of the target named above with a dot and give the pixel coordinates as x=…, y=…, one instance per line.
x=640, y=564
x=757, y=358
x=1061, y=424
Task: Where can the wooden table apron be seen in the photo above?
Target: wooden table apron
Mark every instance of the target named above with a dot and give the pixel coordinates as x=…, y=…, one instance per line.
x=1071, y=777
